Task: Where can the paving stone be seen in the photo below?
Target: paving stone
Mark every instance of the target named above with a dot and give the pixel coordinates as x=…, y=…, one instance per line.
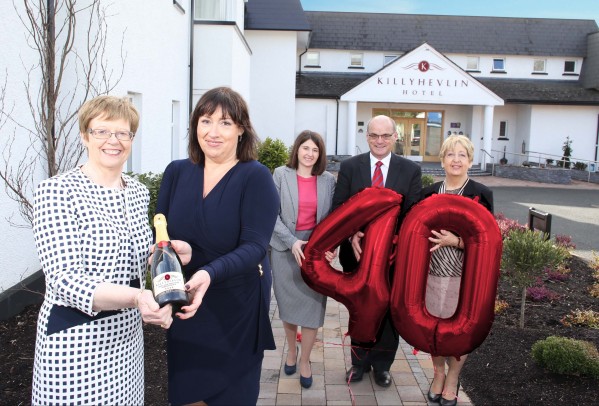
x=410, y=394
x=286, y=399
x=337, y=392
x=291, y=386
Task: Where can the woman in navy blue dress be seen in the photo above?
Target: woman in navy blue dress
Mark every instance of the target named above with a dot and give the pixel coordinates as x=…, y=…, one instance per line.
x=224, y=204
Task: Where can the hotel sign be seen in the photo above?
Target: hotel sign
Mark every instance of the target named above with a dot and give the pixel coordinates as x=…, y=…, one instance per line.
x=415, y=84
x=423, y=76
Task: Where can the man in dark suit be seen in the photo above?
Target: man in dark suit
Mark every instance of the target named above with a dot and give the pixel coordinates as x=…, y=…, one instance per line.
x=355, y=174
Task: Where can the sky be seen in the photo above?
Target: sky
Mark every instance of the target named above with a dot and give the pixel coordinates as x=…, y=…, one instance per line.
x=577, y=9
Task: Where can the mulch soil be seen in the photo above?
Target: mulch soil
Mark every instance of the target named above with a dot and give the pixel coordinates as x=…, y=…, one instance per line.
x=500, y=372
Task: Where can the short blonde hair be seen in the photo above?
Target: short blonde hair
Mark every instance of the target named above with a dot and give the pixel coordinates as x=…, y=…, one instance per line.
x=109, y=108
x=450, y=143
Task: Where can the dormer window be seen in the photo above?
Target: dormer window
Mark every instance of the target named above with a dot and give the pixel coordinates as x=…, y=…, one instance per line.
x=472, y=63
x=356, y=60
x=313, y=59
x=570, y=67
x=538, y=66
x=498, y=65
x=389, y=58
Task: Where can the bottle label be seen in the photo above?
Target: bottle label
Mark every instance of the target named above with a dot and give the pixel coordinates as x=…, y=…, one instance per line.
x=168, y=281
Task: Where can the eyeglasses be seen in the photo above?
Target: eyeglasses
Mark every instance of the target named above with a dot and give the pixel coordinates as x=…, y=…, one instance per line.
x=385, y=137
x=102, y=134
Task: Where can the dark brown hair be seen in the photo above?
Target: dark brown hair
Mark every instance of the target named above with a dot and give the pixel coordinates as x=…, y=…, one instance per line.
x=232, y=106
x=321, y=163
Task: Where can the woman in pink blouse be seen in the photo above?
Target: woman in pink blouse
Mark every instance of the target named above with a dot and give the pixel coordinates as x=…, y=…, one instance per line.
x=306, y=192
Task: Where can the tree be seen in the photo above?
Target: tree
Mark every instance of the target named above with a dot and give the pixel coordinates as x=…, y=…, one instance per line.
x=526, y=254
x=53, y=29
x=567, y=148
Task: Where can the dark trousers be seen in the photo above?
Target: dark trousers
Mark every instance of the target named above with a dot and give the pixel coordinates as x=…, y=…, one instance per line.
x=380, y=354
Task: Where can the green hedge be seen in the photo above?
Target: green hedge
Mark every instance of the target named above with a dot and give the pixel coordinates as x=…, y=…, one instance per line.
x=567, y=356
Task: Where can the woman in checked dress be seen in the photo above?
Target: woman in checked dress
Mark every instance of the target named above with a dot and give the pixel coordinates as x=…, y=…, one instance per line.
x=92, y=237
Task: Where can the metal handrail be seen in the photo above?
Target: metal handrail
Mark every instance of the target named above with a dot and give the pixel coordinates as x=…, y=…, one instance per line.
x=527, y=154
x=485, y=161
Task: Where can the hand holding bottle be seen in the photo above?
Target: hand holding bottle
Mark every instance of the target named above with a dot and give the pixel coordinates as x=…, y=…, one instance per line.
x=167, y=276
x=196, y=288
x=151, y=312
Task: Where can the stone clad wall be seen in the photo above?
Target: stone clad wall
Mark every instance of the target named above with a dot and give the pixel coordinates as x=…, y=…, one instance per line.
x=543, y=175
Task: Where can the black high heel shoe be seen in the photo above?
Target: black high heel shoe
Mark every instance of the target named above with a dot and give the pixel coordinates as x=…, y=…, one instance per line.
x=290, y=369
x=454, y=401
x=433, y=397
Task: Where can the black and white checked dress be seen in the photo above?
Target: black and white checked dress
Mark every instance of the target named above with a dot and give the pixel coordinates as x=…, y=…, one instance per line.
x=86, y=234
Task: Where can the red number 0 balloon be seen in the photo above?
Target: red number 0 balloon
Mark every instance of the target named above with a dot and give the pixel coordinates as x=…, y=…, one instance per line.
x=366, y=292
x=472, y=320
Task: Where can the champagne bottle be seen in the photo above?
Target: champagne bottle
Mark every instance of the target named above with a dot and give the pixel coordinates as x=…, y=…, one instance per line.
x=168, y=283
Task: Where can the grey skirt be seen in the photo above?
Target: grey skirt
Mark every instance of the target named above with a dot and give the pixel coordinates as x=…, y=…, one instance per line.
x=298, y=303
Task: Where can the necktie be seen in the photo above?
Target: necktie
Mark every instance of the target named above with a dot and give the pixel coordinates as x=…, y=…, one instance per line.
x=377, y=178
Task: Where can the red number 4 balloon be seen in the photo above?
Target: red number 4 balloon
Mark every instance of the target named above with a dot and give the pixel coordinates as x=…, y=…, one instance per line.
x=367, y=293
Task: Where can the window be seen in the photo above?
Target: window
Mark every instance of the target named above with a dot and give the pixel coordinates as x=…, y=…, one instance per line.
x=215, y=10
x=175, y=130
x=356, y=60
x=570, y=67
x=503, y=129
x=313, y=59
x=472, y=63
x=134, y=160
x=498, y=65
x=538, y=66
x=389, y=58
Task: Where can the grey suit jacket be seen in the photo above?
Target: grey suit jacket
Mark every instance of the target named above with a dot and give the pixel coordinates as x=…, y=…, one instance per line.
x=285, y=179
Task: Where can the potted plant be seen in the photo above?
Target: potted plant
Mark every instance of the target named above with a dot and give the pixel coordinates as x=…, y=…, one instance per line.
x=503, y=160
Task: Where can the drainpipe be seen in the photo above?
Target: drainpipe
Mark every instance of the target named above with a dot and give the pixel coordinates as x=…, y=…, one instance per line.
x=299, y=61
x=191, y=35
x=597, y=139
x=337, y=127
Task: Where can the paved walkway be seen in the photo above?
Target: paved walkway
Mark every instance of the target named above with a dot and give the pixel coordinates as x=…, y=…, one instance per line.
x=331, y=358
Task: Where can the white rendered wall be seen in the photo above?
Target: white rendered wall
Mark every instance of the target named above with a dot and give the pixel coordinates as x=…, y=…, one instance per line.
x=221, y=58
x=272, y=82
x=320, y=116
x=550, y=125
x=156, y=69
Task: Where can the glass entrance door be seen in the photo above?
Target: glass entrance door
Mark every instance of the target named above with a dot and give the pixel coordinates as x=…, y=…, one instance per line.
x=419, y=132
x=411, y=133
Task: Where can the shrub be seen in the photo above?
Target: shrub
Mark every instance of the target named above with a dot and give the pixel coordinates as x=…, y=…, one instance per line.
x=506, y=225
x=567, y=356
x=549, y=161
x=152, y=182
x=560, y=274
x=525, y=256
x=541, y=293
x=427, y=180
x=565, y=241
x=500, y=306
x=567, y=148
x=581, y=166
x=595, y=265
x=583, y=318
x=272, y=153
x=594, y=290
